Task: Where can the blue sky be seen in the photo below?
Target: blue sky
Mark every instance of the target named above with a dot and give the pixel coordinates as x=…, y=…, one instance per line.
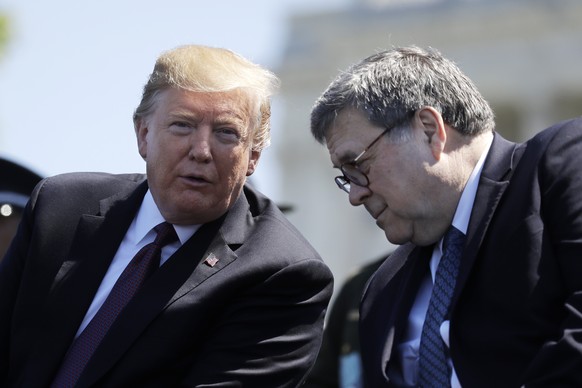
x=73, y=71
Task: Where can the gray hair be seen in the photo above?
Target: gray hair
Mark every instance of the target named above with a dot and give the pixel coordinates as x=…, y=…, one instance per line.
x=209, y=69
x=391, y=85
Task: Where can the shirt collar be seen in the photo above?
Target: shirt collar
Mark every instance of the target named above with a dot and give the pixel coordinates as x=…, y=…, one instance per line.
x=148, y=216
x=465, y=206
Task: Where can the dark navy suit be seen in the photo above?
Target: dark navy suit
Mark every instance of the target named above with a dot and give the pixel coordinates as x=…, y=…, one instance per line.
x=254, y=319
x=516, y=314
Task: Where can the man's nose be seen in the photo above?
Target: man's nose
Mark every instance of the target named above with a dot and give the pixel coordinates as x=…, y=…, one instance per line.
x=358, y=194
x=200, y=149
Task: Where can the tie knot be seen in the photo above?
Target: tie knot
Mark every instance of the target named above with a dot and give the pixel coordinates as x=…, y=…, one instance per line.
x=166, y=234
x=454, y=239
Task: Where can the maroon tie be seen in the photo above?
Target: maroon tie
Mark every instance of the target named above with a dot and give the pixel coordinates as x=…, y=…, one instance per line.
x=138, y=269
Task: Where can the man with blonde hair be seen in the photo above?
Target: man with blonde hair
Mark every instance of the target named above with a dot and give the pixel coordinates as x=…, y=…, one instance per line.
x=182, y=277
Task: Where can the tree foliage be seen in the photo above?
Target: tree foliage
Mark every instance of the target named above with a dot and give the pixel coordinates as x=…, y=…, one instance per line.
x=3, y=32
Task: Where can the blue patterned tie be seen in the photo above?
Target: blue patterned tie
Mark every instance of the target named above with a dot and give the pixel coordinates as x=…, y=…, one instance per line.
x=434, y=369
x=138, y=269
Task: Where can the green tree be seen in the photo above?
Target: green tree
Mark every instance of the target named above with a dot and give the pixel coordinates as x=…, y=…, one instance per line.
x=3, y=32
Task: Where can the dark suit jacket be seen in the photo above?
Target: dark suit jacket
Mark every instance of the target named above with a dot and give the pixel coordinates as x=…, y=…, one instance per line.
x=516, y=314
x=254, y=319
x=341, y=337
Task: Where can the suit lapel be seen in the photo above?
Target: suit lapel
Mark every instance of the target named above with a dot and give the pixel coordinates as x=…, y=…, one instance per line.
x=497, y=170
x=386, y=305
x=181, y=273
x=413, y=270
x=96, y=240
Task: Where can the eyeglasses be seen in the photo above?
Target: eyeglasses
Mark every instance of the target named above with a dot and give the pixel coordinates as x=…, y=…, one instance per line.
x=351, y=173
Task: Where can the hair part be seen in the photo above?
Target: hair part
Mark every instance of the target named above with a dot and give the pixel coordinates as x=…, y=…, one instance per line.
x=391, y=85
x=206, y=69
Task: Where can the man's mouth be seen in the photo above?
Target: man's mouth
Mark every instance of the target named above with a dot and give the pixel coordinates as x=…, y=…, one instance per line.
x=196, y=179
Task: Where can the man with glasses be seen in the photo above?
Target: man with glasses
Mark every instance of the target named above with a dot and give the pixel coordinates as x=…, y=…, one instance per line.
x=486, y=288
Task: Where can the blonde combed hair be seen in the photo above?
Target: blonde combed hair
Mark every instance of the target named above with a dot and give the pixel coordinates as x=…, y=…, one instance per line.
x=209, y=69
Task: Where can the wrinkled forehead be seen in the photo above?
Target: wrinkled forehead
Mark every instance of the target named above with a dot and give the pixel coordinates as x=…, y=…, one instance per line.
x=349, y=134
x=236, y=102
x=246, y=103
x=239, y=101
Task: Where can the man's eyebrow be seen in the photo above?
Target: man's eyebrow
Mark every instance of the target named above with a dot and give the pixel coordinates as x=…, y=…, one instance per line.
x=230, y=119
x=230, y=116
x=345, y=157
x=184, y=115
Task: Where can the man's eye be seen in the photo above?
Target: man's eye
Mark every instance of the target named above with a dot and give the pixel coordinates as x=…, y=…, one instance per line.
x=363, y=166
x=181, y=124
x=181, y=127
x=228, y=134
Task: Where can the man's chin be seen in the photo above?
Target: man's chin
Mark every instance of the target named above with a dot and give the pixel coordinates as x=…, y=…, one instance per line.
x=395, y=241
x=397, y=238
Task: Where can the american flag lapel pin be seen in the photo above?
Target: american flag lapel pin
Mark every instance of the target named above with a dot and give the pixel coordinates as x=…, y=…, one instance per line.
x=211, y=260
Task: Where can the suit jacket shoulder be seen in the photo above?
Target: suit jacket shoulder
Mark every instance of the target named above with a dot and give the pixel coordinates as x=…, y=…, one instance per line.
x=241, y=302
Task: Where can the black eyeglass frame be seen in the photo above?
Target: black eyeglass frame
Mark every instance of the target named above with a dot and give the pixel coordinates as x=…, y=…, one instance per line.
x=345, y=180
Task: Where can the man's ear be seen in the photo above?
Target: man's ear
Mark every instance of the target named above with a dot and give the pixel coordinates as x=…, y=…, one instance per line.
x=141, y=131
x=432, y=125
x=254, y=157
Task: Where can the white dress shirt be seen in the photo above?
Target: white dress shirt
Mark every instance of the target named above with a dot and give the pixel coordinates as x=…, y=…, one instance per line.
x=139, y=234
x=408, y=350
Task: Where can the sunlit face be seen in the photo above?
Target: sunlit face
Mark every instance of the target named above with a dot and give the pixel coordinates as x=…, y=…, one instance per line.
x=402, y=191
x=197, y=151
